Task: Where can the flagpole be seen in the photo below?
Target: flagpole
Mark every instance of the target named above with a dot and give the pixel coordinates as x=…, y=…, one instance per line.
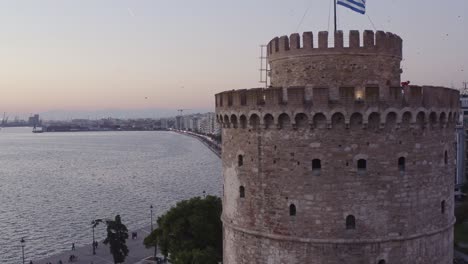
x=334, y=2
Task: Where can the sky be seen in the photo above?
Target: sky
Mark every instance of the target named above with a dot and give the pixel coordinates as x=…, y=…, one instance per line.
x=96, y=55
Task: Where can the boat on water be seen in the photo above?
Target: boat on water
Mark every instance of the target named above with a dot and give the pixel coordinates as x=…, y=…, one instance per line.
x=36, y=130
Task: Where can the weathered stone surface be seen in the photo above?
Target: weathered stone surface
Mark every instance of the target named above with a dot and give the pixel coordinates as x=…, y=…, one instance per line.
x=271, y=137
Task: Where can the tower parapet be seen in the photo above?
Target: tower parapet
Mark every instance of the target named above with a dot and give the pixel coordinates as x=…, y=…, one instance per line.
x=375, y=62
x=418, y=106
x=318, y=98
x=379, y=43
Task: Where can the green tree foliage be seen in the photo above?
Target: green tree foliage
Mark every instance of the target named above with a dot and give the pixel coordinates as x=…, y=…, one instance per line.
x=117, y=234
x=461, y=212
x=191, y=232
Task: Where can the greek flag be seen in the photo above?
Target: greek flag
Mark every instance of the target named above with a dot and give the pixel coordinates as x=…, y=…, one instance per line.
x=355, y=5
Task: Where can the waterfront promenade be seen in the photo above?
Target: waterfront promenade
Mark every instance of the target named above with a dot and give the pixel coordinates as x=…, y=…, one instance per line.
x=208, y=142
x=84, y=254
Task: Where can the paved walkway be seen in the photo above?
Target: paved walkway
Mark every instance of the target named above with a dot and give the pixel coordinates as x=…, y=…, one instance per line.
x=137, y=252
x=205, y=140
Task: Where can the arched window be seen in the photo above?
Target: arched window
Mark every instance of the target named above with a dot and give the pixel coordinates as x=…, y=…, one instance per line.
x=242, y=192
x=316, y=166
x=269, y=121
x=350, y=222
x=284, y=121
x=254, y=121
x=442, y=207
x=243, y=121
x=234, y=121
x=445, y=158
x=381, y=262
x=302, y=121
x=362, y=165
x=401, y=164
x=240, y=160
x=292, y=210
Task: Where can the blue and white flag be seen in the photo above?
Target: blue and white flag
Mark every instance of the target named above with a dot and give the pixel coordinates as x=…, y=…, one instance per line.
x=355, y=5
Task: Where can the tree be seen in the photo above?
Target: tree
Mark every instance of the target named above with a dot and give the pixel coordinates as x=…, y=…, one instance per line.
x=190, y=232
x=117, y=234
x=152, y=241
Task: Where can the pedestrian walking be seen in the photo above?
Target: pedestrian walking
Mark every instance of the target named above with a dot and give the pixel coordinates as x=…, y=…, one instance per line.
x=73, y=246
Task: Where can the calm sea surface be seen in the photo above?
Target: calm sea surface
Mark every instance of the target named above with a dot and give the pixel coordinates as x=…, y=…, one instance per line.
x=52, y=185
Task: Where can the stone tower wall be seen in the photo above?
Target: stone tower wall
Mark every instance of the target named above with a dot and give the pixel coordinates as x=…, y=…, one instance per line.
x=374, y=63
x=271, y=139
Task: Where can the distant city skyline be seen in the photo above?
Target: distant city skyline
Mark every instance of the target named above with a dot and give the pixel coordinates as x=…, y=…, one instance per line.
x=88, y=56
x=64, y=115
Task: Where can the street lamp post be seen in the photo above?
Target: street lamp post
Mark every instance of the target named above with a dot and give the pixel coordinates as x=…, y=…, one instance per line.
x=94, y=243
x=94, y=223
x=156, y=246
x=22, y=247
x=151, y=210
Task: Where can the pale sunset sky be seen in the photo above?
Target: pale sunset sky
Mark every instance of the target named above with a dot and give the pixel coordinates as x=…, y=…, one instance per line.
x=77, y=55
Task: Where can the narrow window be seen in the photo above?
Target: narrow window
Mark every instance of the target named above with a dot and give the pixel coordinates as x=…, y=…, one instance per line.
x=316, y=166
x=240, y=160
x=442, y=207
x=445, y=158
x=382, y=261
x=350, y=222
x=292, y=210
x=401, y=164
x=242, y=192
x=362, y=165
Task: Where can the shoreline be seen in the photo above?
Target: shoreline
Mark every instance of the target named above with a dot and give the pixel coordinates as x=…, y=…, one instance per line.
x=137, y=251
x=210, y=145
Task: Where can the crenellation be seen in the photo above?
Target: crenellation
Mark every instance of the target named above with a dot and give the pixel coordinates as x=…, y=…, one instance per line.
x=295, y=41
x=377, y=43
x=308, y=40
x=354, y=39
x=394, y=94
x=410, y=96
x=323, y=40
x=320, y=97
x=255, y=97
x=381, y=40
x=377, y=59
x=399, y=47
x=276, y=47
x=273, y=96
x=296, y=96
x=369, y=39
x=283, y=43
x=339, y=41
x=241, y=97
x=413, y=95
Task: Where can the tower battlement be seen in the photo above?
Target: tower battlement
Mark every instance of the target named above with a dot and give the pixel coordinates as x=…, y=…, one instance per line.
x=320, y=98
x=376, y=61
x=374, y=43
